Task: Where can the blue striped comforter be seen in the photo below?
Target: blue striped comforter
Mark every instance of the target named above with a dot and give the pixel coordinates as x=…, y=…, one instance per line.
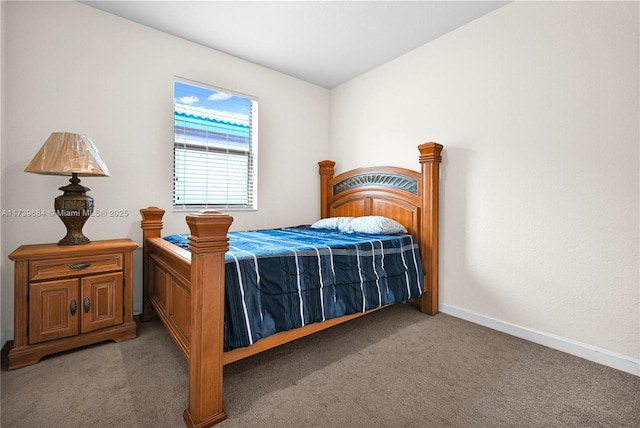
x=281, y=279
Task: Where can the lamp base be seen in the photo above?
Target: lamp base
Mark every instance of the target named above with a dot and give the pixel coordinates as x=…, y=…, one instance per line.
x=74, y=209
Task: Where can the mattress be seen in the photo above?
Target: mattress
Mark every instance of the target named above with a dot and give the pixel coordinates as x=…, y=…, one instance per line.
x=281, y=279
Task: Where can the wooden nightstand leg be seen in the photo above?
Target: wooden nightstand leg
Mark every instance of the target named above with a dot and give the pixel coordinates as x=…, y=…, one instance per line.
x=20, y=313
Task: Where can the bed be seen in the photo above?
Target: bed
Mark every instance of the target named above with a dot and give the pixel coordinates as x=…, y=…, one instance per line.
x=184, y=286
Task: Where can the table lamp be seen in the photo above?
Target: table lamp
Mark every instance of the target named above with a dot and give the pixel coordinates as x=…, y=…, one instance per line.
x=66, y=153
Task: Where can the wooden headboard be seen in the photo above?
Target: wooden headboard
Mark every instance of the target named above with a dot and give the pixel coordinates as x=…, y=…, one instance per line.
x=407, y=196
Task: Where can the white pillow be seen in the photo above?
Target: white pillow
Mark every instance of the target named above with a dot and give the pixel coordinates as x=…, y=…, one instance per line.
x=333, y=223
x=374, y=225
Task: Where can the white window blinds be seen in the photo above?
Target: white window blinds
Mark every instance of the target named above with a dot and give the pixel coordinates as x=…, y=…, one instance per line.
x=215, y=148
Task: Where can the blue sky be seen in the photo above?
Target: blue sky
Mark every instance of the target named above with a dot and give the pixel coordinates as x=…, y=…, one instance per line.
x=210, y=102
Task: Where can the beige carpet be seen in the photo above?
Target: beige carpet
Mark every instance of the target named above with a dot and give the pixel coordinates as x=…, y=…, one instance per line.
x=392, y=368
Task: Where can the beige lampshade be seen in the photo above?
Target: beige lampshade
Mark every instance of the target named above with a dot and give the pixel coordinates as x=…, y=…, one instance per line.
x=65, y=153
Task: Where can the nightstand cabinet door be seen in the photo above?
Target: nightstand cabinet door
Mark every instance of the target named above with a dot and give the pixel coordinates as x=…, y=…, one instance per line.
x=54, y=310
x=101, y=301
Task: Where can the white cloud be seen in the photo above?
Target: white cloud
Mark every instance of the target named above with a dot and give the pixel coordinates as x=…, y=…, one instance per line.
x=189, y=100
x=219, y=96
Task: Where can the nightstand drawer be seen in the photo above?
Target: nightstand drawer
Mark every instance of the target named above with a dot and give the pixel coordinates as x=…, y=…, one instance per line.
x=74, y=266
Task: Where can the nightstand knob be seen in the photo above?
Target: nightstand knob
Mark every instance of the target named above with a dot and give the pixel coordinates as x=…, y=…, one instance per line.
x=73, y=307
x=87, y=305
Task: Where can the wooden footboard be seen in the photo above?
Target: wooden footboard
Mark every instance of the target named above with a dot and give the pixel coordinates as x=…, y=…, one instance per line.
x=185, y=289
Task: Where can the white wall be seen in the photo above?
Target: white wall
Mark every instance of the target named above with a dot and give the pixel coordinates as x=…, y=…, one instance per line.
x=70, y=67
x=537, y=107
x=536, y=104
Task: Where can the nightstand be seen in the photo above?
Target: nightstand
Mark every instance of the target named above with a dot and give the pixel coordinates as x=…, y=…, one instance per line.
x=66, y=296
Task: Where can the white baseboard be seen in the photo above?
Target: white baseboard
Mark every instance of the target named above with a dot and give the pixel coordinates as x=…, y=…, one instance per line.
x=588, y=352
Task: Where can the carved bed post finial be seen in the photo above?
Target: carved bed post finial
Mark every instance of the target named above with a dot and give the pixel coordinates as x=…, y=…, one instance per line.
x=430, y=159
x=208, y=244
x=326, y=192
x=151, y=225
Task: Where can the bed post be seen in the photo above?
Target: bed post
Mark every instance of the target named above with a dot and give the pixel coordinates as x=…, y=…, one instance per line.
x=430, y=159
x=151, y=228
x=208, y=244
x=326, y=174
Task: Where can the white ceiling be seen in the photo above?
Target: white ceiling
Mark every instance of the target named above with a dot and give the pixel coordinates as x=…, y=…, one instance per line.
x=323, y=42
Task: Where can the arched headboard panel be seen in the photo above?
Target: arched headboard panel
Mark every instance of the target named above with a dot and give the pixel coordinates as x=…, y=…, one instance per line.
x=404, y=210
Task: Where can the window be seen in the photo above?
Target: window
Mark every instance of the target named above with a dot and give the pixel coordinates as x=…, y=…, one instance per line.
x=215, y=148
